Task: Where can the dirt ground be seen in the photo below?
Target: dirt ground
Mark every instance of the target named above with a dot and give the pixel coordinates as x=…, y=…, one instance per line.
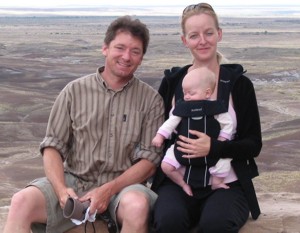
x=38, y=56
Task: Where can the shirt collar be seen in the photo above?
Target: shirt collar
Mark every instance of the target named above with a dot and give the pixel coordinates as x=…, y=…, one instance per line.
x=102, y=81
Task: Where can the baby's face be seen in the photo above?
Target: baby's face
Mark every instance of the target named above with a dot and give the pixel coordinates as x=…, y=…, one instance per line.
x=197, y=84
x=192, y=92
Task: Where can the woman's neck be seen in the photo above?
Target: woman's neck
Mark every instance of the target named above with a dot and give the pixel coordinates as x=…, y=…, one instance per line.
x=212, y=65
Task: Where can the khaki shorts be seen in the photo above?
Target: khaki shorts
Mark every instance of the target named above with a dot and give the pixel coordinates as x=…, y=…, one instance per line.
x=57, y=223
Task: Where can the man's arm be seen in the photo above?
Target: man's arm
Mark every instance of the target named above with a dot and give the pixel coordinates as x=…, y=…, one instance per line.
x=138, y=173
x=54, y=170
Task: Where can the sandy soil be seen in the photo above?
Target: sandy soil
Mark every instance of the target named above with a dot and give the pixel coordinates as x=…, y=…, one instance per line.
x=38, y=56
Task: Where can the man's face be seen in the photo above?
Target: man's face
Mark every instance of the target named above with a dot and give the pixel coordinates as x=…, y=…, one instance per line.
x=123, y=55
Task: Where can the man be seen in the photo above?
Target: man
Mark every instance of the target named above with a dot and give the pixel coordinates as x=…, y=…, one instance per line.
x=98, y=143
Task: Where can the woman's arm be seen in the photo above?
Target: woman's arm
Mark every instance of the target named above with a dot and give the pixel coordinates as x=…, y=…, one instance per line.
x=248, y=141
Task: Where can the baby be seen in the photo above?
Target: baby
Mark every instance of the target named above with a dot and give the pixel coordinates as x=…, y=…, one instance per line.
x=198, y=84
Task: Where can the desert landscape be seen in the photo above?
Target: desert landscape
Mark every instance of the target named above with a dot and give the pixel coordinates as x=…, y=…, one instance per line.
x=39, y=55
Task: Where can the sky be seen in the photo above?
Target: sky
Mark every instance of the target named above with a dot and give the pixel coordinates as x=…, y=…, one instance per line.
x=64, y=3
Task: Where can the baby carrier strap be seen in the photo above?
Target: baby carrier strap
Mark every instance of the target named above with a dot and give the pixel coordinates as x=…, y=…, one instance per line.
x=226, y=83
x=198, y=108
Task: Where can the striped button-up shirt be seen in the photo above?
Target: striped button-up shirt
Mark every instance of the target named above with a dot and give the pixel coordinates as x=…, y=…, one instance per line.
x=99, y=132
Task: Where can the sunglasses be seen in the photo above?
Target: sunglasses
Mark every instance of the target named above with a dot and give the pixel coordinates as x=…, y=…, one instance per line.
x=197, y=7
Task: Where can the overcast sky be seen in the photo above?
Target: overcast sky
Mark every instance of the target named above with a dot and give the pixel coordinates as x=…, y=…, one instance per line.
x=59, y=3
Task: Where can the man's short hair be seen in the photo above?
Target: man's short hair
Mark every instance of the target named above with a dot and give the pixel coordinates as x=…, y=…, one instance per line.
x=127, y=24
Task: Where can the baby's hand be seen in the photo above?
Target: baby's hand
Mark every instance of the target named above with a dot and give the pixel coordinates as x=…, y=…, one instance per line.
x=158, y=140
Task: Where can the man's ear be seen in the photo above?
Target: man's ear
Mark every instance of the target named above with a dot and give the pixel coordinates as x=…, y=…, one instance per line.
x=141, y=61
x=104, y=49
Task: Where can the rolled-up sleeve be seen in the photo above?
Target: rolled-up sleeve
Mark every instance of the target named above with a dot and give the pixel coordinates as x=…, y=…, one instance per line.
x=58, y=133
x=153, y=120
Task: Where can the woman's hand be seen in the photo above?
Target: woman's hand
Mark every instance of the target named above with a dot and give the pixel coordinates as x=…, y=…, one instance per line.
x=193, y=148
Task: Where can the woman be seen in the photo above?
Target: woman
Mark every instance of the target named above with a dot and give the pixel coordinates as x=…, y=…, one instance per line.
x=221, y=210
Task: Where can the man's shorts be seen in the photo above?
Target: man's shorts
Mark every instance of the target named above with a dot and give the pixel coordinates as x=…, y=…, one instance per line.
x=56, y=221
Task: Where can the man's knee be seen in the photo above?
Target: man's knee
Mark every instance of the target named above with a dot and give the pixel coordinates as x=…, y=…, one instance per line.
x=21, y=200
x=134, y=202
x=18, y=200
x=29, y=203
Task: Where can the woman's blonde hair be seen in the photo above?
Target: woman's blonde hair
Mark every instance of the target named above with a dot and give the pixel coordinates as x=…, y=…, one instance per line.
x=195, y=9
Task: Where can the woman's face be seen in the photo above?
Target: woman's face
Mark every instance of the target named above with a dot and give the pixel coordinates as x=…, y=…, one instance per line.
x=201, y=37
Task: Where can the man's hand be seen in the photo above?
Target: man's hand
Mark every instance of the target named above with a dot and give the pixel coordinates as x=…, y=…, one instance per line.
x=64, y=195
x=99, y=197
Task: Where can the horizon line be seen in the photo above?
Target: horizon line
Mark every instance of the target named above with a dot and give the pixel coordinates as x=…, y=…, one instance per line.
x=130, y=6
x=106, y=10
